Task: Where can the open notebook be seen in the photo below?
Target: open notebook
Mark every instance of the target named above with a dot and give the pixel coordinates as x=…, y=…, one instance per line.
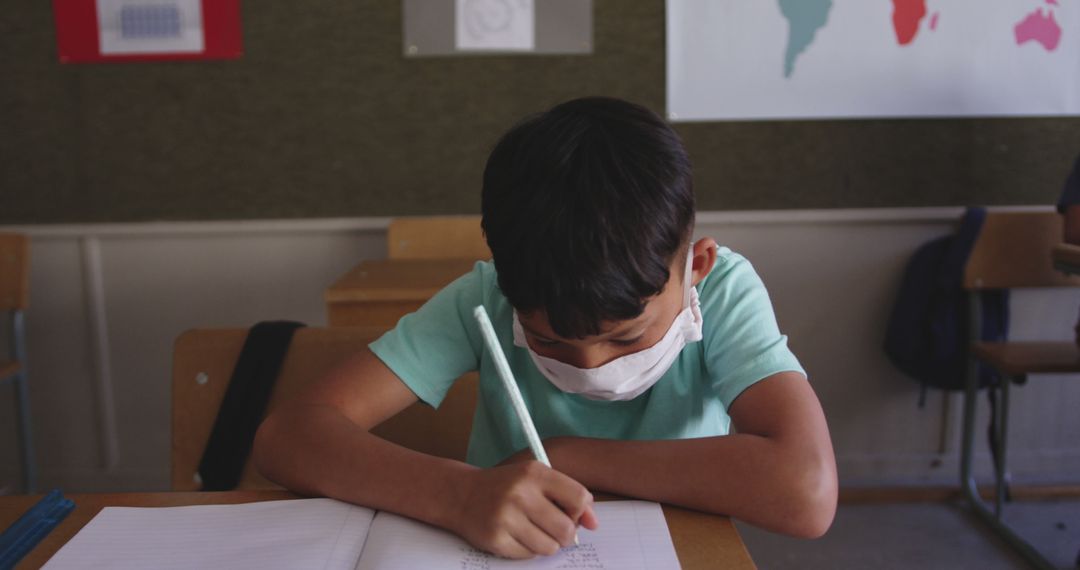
x=329, y=534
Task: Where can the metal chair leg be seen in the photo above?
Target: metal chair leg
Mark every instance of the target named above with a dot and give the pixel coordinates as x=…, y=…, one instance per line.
x=968, y=487
x=999, y=467
x=26, y=445
x=22, y=396
x=967, y=444
x=1001, y=494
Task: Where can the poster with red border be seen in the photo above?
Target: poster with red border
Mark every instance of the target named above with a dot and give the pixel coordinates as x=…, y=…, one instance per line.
x=90, y=31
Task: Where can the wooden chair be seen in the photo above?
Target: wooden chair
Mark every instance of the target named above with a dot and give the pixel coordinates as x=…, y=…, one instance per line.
x=203, y=361
x=436, y=237
x=1013, y=250
x=14, y=299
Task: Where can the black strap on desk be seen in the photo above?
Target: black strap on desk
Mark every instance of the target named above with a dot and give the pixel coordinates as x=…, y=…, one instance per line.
x=244, y=404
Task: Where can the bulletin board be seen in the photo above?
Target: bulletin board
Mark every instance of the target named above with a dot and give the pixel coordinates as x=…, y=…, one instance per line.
x=324, y=116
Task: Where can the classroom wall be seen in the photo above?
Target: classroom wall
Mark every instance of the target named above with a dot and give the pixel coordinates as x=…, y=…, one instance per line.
x=276, y=171
x=324, y=117
x=831, y=274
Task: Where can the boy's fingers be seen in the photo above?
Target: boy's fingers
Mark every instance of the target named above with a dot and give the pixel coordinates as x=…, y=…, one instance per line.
x=570, y=495
x=535, y=539
x=510, y=547
x=553, y=521
x=589, y=520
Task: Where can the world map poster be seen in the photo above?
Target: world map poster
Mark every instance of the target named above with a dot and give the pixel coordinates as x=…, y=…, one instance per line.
x=796, y=59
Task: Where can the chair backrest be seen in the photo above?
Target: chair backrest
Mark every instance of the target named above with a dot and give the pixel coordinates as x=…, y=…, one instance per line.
x=203, y=361
x=1014, y=250
x=14, y=272
x=436, y=237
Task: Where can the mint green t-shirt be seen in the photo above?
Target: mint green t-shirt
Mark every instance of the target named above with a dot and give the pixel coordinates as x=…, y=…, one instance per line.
x=741, y=344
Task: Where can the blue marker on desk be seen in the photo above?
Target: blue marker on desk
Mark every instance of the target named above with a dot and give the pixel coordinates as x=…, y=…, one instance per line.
x=36, y=523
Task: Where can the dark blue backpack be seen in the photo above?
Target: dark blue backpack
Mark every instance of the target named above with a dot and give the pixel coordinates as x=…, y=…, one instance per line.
x=927, y=334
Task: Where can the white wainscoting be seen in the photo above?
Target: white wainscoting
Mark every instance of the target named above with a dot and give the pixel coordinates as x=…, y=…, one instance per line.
x=108, y=301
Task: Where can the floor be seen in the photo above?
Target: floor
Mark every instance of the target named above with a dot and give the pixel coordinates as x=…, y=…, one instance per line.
x=924, y=536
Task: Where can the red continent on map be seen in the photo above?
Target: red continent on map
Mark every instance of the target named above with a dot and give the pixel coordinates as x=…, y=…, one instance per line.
x=906, y=17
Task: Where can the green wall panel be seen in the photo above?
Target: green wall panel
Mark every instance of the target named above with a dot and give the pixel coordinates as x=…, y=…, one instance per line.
x=323, y=117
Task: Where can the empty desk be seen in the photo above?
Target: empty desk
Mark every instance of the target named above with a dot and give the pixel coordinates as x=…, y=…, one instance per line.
x=379, y=292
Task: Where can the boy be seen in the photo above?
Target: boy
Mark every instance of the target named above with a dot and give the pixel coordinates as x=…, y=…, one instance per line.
x=636, y=349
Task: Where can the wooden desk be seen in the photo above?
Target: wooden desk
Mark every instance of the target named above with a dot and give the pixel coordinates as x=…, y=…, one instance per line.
x=1067, y=258
x=701, y=540
x=379, y=292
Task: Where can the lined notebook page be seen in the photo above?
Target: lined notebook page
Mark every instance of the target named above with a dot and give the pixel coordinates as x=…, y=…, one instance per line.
x=302, y=533
x=632, y=535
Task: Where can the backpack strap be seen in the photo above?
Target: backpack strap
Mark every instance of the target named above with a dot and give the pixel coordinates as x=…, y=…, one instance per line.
x=244, y=404
x=960, y=247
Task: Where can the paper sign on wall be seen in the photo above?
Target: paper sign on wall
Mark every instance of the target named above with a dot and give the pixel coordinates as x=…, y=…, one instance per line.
x=130, y=27
x=125, y=30
x=505, y=25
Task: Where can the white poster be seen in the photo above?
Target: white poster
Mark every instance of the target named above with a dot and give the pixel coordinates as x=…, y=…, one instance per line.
x=132, y=27
x=503, y=25
x=792, y=59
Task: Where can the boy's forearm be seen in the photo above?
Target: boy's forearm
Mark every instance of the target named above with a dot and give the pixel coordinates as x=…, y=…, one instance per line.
x=318, y=451
x=762, y=481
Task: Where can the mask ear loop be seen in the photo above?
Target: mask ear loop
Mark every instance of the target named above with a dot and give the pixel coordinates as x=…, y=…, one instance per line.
x=686, y=275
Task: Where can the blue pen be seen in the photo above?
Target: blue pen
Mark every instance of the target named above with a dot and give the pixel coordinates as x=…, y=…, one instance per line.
x=36, y=532
x=28, y=518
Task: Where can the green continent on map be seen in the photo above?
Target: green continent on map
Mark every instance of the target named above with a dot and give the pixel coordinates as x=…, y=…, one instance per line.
x=805, y=18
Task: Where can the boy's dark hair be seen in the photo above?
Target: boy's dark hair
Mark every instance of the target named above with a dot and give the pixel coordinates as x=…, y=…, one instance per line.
x=584, y=208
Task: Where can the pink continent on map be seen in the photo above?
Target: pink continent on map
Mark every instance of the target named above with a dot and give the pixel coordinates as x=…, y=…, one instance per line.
x=1039, y=27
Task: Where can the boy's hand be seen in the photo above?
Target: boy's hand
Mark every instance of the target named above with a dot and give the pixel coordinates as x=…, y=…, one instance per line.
x=523, y=509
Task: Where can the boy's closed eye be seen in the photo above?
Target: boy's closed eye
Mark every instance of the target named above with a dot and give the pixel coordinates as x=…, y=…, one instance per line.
x=628, y=341
x=542, y=341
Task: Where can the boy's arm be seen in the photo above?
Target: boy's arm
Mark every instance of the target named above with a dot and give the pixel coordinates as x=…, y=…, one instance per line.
x=778, y=472
x=320, y=444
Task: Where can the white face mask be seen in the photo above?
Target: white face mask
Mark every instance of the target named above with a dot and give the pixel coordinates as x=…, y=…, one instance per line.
x=628, y=376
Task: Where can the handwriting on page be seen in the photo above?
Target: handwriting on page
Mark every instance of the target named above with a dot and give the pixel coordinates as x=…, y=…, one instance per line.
x=632, y=536
x=582, y=557
x=474, y=559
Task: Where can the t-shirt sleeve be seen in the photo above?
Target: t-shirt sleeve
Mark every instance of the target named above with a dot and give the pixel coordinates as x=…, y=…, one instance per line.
x=743, y=343
x=432, y=347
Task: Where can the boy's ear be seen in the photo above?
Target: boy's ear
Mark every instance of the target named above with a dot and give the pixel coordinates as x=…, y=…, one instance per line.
x=704, y=252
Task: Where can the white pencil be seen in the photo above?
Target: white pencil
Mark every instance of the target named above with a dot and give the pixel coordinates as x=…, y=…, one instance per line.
x=507, y=376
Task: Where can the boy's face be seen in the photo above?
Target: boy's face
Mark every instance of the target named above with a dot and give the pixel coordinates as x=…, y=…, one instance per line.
x=620, y=338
